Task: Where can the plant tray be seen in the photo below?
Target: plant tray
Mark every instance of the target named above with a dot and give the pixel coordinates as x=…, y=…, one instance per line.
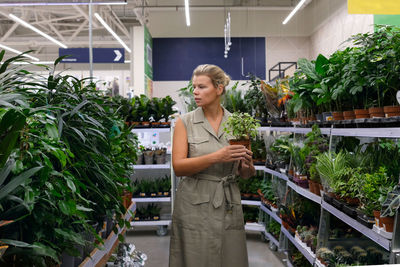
x=365, y=220
x=161, y=126
x=351, y=211
x=328, y=199
x=337, y=204
x=141, y=126
x=259, y=163
x=300, y=182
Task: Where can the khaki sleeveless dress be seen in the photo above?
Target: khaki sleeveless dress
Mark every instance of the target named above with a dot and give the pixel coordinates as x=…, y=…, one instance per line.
x=207, y=223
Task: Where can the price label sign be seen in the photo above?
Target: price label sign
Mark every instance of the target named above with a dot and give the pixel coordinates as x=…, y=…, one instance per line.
x=398, y=96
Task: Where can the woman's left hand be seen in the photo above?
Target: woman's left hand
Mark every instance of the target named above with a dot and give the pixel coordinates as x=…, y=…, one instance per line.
x=247, y=162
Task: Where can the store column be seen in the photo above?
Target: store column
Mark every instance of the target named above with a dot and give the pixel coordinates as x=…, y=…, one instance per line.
x=143, y=63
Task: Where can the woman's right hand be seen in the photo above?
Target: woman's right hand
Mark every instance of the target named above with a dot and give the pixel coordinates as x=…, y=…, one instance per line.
x=232, y=153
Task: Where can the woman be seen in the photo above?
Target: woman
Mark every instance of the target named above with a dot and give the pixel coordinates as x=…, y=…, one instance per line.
x=207, y=222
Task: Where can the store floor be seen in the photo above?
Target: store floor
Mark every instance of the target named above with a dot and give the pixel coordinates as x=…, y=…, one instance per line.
x=157, y=249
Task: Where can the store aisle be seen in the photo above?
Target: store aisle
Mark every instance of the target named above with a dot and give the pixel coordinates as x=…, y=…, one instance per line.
x=157, y=248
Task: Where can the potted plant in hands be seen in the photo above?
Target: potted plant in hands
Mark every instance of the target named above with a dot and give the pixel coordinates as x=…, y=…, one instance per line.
x=240, y=127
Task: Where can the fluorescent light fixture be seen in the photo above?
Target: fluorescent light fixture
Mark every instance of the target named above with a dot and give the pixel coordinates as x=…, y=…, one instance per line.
x=299, y=5
x=18, y=52
x=187, y=14
x=26, y=24
x=65, y=3
x=112, y=32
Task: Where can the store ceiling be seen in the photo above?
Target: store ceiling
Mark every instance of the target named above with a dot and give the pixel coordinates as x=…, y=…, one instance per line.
x=70, y=24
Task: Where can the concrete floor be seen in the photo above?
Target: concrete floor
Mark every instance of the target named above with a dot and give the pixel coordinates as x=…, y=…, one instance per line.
x=157, y=249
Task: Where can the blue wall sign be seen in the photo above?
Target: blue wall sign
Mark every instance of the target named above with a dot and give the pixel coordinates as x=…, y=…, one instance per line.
x=100, y=55
x=174, y=59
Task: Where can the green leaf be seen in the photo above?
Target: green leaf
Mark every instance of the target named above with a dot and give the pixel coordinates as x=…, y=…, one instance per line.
x=5, y=171
x=321, y=65
x=52, y=131
x=18, y=243
x=17, y=181
x=71, y=184
x=308, y=68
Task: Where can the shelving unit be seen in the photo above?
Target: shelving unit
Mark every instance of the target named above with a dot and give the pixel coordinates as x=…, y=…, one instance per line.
x=304, y=251
x=98, y=257
x=162, y=224
x=151, y=223
x=151, y=199
x=153, y=166
x=326, y=208
x=251, y=202
x=377, y=238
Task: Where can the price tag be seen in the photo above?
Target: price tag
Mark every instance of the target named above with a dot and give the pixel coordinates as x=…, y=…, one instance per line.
x=398, y=96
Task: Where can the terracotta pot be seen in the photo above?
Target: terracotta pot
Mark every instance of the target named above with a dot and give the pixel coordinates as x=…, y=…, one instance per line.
x=388, y=223
x=391, y=111
x=316, y=189
x=166, y=123
x=361, y=113
x=321, y=188
x=155, y=123
x=349, y=115
x=337, y=115
x=352, y=201
x=378, y=221
x=245, y=143
x=376, y=112
x=311, y=186
x=134, y=123
x=127, y=123
x=145, y=123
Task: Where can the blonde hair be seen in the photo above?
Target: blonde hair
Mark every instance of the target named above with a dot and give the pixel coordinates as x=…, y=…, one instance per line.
x=215, y=73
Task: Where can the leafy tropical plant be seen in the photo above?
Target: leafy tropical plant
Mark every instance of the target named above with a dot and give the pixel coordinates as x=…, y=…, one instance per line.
x=241, y=126
x=69, y=153
x=187, y=96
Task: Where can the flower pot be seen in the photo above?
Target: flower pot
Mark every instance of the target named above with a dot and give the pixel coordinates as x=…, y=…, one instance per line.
x=145, y=124
x=376, y=112
x=245, y=143
x=148, y=157
x=378, y=221
x=327, y=116
x=139, y=160
x=160, y=159
x=301, y=182
x=337, y=116
x=352, y=201
x=391, y=111
x=349, y=115
x=388, y=223
x=361, y=113
x=155, y=124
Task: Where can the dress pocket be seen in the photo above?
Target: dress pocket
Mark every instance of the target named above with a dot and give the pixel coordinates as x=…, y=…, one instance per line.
x=191, y=209
x=198, y=145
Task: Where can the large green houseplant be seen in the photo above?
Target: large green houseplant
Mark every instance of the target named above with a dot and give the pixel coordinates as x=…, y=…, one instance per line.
x=64, y=166
x=240, y=127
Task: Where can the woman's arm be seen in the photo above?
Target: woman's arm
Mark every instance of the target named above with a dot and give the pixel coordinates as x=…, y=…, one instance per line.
x=184, y=166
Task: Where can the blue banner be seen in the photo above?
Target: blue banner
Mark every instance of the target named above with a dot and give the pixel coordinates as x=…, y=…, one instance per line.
x=100, y=55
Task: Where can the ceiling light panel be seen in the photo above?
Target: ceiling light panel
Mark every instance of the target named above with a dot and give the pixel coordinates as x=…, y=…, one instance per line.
x=29, y=26
x=18, y=52
x=108, y=28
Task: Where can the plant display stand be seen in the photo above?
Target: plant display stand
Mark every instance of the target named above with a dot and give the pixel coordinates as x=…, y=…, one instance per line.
x=99, y=257
x=391, y=245
x=152, y=170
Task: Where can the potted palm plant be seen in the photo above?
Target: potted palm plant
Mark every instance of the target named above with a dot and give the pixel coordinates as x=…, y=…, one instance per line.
x=240, y=127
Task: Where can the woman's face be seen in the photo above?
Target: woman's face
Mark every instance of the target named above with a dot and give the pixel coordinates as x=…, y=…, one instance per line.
x=205, y=93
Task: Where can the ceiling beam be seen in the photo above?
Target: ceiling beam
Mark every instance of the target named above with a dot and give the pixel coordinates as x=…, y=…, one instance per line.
x=118, y=23
x=55, y=30
x=85, y=15
x=77, y=31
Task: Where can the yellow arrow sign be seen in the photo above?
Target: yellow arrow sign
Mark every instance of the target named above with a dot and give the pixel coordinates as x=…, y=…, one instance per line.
x=383, y=7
